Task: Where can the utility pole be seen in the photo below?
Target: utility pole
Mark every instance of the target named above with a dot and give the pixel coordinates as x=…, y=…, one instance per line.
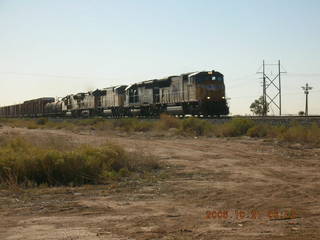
x=279, y=73
x=306, y=92
x=264, y=96
x=270, y=83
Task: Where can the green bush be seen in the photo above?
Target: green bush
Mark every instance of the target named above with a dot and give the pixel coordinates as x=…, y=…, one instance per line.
x=103, y=125
x=276, y=131
x=42, y=121
x=302, y=134
x=32, y=125
x=22, y=163
x=88, y=122
x=143, y=126
x=259, y=130
x=236, y=127
x=196, y=126
x=294, y=133
x=126, y=124
x=133, y=125
x=314, y=134
x=166, y=122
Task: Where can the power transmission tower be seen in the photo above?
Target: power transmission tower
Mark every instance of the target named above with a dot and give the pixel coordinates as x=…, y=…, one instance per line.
x=271, y=83
x=306, y=92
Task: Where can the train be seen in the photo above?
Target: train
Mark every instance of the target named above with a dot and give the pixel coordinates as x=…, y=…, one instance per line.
x=194, y=93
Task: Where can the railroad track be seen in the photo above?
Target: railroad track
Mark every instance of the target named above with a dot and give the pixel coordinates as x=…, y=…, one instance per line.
x=277, y=117
x=260, y=118
x=274, y=120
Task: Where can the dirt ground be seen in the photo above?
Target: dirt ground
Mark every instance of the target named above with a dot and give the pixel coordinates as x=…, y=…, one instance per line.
x=211, y=188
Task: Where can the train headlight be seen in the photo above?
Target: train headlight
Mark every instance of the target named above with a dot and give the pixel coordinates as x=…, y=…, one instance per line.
x=208, y=97
x=223, y=97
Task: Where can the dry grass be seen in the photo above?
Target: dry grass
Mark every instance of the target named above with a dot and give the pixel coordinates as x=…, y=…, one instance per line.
x=132, y=125
x=196, y=127
x=302, y=134
x=184, y=127
x=295, y=133
x=167, y=122
x=27, y=164
x=235, y=127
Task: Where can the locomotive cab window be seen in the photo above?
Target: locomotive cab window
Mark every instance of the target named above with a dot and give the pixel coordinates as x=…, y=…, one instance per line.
x=219, y=78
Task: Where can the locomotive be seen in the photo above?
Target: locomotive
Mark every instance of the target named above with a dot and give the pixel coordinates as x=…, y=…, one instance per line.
x=195, y=93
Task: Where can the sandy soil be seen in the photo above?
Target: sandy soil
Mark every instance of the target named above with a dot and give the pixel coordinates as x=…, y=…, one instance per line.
x=211, y=189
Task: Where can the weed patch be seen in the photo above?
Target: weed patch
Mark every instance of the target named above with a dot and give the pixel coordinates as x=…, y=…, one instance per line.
x=195, y=126
x=236, y=127
x=22, y=163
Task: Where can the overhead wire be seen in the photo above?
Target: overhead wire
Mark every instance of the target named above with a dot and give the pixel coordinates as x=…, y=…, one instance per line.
x=57, y=76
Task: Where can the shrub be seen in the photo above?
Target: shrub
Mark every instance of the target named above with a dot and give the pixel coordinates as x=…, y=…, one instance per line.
x=88, y=122
x=294, y=133
x=313, y=135
x=133, y=124
x=32, y=125
x=259, y=130
x=166, y=122
x=42, y=121
x=195, y=126
x=276, y=131
x=126, y=124
x=23, y=163
x=302, y=134
x=143, y=126
x=103, y=125
x=236, y=127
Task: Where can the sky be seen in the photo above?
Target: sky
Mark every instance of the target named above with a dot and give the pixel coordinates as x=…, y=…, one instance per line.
x=54, y=48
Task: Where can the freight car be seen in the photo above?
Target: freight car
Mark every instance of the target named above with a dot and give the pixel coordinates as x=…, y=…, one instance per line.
x=31, y=108
x=195, y=93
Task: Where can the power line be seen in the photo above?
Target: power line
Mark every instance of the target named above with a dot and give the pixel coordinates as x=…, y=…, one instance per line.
x=53, y=75
x=304, y=74
x=249, y=97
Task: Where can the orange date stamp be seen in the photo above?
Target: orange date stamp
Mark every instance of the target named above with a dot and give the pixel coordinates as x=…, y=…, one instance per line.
x=275, y=214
